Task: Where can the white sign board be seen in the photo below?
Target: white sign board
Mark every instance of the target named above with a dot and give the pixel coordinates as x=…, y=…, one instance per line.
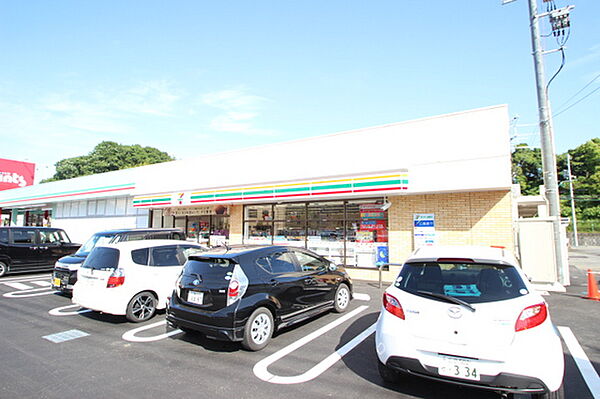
x=424, y=229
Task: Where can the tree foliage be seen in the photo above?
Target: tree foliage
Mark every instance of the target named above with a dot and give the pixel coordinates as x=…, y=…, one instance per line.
x=585, y=169
x=105, y=157
x=527, y=169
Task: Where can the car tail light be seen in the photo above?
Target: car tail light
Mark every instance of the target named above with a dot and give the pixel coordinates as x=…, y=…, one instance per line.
x=116, y=279
x=238, y=284
x=531, y=316
x=392, y=305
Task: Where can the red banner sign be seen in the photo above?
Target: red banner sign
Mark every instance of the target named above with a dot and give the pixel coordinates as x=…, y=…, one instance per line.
x=15, y=174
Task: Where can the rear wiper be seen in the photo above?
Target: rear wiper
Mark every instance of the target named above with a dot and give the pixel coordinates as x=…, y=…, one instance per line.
x=448, y=298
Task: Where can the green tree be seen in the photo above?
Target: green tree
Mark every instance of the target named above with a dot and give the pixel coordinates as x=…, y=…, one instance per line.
x=527, y=169
x=585, y=167
x=105, y=157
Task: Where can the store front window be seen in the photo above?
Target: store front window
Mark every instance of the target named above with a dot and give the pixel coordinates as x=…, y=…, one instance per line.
x=350, y=233
x=208, y=229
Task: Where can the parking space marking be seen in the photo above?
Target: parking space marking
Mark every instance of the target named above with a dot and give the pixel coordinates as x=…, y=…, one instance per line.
x=18, y=286
x=42, y=283
x=28, y=278
x=29, y=293
x=65, y=336
x=59, y=311
x=260, y=368
x=130, y=335
x=582, y=361
x=361, y=297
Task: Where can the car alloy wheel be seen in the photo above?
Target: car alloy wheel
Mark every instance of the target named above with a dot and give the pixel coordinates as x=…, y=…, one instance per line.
x=3, y=269
x=141, y=307
x=258, y=330
x=342, y=298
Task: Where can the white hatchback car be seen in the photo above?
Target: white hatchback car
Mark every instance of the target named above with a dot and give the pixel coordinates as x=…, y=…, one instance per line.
x=468, y=316
x=131, y=278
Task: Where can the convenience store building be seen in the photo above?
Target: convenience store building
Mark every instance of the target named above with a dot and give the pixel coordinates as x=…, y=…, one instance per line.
x=356, y=197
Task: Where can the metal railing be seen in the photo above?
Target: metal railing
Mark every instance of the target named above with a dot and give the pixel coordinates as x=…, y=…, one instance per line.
x=381, y=265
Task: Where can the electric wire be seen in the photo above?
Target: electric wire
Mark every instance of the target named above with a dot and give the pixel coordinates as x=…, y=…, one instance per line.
x=578, y=101
x=562, y=64
x=579, y=91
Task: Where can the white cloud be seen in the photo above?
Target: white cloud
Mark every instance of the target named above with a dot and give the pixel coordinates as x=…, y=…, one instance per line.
x=239, y=111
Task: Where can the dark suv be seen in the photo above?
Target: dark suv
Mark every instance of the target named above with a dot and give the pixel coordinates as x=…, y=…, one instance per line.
x=245, y=293
x=65, y=270
x=29, y=249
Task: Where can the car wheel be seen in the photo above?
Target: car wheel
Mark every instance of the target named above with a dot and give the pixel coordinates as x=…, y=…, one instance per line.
x=3, y=269
x=558, y=394
x=258, y=330
x=141, y=307
x=387, y=374
x=342, y=298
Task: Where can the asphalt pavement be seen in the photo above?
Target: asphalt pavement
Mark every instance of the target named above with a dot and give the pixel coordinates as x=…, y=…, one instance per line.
x=50, y=349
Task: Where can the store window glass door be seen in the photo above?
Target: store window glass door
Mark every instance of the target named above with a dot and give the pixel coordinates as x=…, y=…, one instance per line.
x=198, y=229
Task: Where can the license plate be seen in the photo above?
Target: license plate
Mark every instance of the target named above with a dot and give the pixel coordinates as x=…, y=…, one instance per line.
x=459, y=368
x=195, y=297
x=56, y=282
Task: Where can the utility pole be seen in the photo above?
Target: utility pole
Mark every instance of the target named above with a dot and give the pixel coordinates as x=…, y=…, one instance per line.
x=573, y=215
x=546, y=135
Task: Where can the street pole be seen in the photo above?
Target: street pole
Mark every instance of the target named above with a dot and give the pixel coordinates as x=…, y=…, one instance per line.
x=546, y=138
x=573, y=215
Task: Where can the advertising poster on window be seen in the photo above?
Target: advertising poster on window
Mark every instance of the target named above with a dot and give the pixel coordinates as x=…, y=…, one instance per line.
x=15, y=174
x=424, y=229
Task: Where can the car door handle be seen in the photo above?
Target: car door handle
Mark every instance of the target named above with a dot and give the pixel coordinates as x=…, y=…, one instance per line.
x=43, y=247
x=33, y=248
x=274, y=282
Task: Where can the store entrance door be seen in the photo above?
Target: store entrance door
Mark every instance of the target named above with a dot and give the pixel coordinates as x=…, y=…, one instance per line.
x=198, y=228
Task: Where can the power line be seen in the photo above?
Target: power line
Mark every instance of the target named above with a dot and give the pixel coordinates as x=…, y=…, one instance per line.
x=579, y=91
x=578, y=101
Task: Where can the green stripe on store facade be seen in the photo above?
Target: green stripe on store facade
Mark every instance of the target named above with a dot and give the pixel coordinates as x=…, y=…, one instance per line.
x=378, y=183
x=71, y=192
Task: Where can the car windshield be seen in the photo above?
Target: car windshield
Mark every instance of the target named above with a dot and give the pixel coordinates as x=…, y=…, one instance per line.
x=469, y=282
x=102, y=258
x=93, y=242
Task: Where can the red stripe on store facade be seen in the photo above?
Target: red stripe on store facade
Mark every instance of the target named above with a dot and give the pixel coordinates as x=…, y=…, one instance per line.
x=156, y=203
x=70, y=195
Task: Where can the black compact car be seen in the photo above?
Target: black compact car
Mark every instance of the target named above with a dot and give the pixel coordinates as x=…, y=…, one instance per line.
x=245, y=293
x=65, y=269
x=28, y=249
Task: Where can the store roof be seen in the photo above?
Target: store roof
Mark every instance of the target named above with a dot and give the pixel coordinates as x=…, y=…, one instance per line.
x=464, y=151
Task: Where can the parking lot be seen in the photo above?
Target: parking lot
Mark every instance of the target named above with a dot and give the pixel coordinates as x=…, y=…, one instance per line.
x=50, y=349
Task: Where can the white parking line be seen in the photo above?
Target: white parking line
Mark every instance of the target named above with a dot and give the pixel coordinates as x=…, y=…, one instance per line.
x=29, y=293
x=59, y=311
x=42, y=283
x=260, y=368
x=581, y=360
x=28, y=278
x=65, y=336
x=130, y=335
x=18, y=286
x=361, y=297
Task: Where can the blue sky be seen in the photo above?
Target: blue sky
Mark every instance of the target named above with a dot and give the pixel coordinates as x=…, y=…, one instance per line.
x=194, y=77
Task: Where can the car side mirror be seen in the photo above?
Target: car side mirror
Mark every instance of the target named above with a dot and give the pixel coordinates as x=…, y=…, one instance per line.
x=332, y=267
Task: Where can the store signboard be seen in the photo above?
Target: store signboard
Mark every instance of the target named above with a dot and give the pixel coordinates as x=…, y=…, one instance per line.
x=424, y=229
x=331, y=187
x=15, y=174
x=197, y=210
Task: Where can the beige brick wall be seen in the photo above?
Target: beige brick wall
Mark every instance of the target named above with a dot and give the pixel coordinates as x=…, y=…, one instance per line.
x=236, y=224
x=475, y=218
